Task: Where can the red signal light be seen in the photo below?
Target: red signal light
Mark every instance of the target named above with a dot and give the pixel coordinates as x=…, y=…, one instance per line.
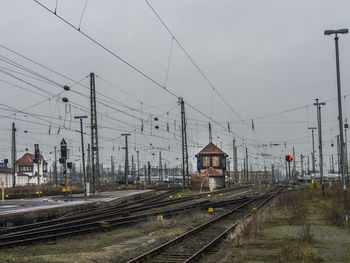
x=289, y=158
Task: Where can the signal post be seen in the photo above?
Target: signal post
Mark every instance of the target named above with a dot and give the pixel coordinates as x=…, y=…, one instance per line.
x=63, y=160
x=37, y=161
x=289, y=158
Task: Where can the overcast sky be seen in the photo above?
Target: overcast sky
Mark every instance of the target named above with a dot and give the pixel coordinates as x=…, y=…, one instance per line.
x=263, y=57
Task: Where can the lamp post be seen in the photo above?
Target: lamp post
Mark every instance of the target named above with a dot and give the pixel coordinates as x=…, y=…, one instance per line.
x=340, y=117
x=82, y=149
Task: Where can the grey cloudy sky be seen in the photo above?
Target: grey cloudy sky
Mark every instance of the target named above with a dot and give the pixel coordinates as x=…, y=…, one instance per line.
x=263, y=56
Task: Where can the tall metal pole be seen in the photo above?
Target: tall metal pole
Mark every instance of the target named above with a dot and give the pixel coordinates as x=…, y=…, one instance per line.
x=341, y=131
x=313, y=149
x=132, y=167
x=88, y=165
x=112, y=167
x=160, y=167
x=185, y=172
x=94, y=137
x=235, y=161
x=340, y=116
x=82, y=150
x=244, y=170
x=294, y=166
x=149, y=171
x=126, y=159
x=289, y=170
x=13, y=155
x=318, y=105
x=346, y=150
x=55, y=167
x=246, y=163
x=138, y=164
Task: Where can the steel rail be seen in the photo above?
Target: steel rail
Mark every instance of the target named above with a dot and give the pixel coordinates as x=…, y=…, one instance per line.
x=191, y=232
x=227, y=231
x=113, y=211
x=41, y=235
x=58, y=231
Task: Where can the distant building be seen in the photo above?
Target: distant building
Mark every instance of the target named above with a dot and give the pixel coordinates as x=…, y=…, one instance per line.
x=28, y=171
x=211, y=166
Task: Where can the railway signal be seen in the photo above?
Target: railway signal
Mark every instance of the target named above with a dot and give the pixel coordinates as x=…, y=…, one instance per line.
x=63, y=160
x=36, y=160
x=36, y=153
x=289, y=158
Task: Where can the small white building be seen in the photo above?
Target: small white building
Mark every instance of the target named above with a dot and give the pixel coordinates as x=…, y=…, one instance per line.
x=28, y=171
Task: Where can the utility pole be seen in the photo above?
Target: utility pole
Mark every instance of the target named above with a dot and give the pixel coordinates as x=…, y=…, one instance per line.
x=235, y=161
x=244, y=170
x=332, y=166
x=126, y=159
x=313, y=150
x=318, y=105
x=13, y=155
x=246, y=163
x=273, y=173
x=294, y=166
x=229, y=170
x=302, y=167
x=138, y=164
x=160, y=167
x=185, y=173
x=132, y=167
x=94, y=137
x=346, y=126
x=149, y=171
x=88, y=165
x=308, y=164
x=112, y=167
x=82, y=150
x=340, y=115
x=55, y=167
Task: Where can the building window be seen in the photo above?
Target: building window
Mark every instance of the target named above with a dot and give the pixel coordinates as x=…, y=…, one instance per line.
x=206, y=161
x=216, y=161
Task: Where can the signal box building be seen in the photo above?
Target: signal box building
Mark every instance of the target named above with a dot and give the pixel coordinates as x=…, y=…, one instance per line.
x=211, y=166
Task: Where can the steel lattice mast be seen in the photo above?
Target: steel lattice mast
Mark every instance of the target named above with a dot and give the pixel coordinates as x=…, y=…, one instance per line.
x=185, y=172
x=95, y=171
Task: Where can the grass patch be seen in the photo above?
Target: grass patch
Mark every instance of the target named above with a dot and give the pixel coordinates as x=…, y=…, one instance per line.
x=111, y=246
x=298, y=226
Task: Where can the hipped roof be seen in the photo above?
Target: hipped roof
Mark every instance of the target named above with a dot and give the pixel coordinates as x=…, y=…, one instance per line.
x=211, y=148
x=27, y=159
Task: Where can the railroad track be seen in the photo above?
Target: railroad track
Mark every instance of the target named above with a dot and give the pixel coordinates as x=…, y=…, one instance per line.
x=125, y=209
x=111, y=219
x=190, y=246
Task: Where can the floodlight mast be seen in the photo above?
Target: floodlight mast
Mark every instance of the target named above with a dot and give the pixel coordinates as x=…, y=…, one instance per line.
x=340, y=116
